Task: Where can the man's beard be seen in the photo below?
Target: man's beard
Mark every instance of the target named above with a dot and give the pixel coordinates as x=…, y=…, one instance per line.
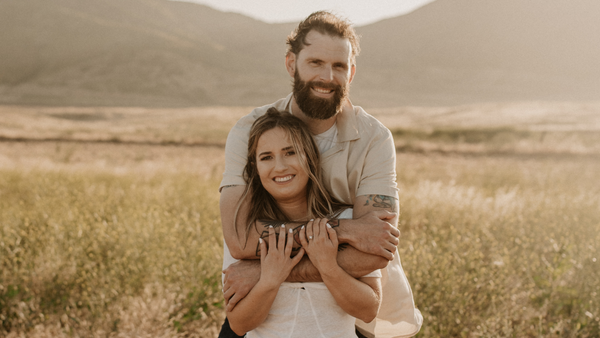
x=317, y=107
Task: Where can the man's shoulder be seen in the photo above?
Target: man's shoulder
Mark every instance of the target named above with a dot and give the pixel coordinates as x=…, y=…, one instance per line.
x=369, y=123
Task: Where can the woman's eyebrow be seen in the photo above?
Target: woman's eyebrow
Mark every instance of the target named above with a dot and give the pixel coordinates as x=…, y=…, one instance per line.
x=264, y=153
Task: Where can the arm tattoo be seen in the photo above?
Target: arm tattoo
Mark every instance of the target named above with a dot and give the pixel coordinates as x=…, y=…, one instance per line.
x=264, y=234
x=382, y=201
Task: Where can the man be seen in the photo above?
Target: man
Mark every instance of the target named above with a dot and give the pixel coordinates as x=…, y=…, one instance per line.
x=358, y=160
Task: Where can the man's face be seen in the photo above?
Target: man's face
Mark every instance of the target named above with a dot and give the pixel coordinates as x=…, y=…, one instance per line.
x=322, y=73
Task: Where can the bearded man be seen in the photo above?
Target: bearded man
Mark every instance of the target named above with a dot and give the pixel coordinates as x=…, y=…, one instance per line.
x=359, y=168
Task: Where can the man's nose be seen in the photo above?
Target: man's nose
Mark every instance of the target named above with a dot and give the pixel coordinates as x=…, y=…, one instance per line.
x=326, y=74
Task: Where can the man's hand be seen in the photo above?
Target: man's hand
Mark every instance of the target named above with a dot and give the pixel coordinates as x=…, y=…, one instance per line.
x=240, y=278
x=373, y=232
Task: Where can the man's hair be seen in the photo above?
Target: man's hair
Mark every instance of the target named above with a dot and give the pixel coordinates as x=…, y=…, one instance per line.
x=325, y=23
x=262, y=204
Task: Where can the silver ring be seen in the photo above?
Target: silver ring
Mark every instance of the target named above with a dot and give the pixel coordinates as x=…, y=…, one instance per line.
x=309, y=238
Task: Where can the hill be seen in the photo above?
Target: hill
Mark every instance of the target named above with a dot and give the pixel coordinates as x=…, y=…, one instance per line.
x=465, y=51
x=164, y=53
x=135, y=52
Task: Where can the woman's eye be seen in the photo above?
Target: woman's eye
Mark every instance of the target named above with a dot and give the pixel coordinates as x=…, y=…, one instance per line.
x=265, y=158
x=290, y=153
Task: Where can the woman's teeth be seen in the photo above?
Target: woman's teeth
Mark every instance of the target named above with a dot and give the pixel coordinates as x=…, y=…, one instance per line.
x=284, y=179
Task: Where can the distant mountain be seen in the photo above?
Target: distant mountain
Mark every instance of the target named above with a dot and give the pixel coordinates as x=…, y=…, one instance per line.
x=136, y=52
x=462, y=51
x=164, y=53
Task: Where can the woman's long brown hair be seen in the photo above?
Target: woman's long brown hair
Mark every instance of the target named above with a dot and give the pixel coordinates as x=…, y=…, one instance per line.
x=262, y=204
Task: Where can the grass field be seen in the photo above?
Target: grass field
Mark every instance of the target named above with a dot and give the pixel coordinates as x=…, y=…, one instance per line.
x=109, y=223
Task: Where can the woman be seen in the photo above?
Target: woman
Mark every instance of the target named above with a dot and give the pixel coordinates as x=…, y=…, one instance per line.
x=283, y=183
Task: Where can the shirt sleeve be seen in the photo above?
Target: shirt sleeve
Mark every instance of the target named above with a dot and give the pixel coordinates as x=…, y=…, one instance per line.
x=236, y=152
x=379, y=170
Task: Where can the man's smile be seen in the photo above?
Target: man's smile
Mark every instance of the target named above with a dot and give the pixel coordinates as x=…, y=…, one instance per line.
x=323, y=90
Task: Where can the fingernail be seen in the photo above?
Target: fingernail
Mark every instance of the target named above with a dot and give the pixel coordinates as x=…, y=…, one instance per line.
x=291, y=231
x=312, y=219
x=270, y=226
x=260, y=240
x=283, y=225
x=302, y=227
x=328, y=225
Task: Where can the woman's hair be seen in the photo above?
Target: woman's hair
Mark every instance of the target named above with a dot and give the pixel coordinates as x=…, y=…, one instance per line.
x=262, y=204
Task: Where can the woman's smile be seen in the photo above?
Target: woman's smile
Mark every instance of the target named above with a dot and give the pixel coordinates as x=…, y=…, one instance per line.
x=284, y=179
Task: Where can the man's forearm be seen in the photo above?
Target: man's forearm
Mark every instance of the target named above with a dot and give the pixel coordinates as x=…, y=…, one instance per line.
x=356, y=263
x=261, y=230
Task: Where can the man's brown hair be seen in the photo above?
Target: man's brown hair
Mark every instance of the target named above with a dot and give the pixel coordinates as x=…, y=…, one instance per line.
x=325, y=23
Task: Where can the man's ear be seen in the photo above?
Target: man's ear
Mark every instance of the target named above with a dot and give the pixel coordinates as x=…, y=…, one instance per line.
x=352, y=72
x=290, y=63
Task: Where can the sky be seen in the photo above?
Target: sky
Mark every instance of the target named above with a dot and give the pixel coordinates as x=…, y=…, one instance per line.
x=360, y=12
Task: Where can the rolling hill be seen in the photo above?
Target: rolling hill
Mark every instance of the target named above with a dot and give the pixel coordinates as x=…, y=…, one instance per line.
x=164, y=53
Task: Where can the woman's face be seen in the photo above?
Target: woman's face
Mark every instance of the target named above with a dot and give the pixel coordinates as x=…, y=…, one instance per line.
x=279, y=166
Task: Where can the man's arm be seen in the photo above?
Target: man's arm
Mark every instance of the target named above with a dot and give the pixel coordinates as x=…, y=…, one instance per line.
x=371, y=231
x=374, y=227
x=243, y=275
x=370, y=212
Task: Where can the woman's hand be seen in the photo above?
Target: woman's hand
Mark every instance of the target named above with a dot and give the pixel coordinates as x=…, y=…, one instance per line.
x=321, y=244
x=276, y=263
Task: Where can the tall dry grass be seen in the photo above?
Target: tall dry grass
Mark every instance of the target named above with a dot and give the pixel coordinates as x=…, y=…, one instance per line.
x=500, y=225
x=493, y=247
x=92, y=254
x=502, y=247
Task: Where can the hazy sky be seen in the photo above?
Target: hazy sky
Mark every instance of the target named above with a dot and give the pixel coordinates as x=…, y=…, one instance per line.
x=360, y=12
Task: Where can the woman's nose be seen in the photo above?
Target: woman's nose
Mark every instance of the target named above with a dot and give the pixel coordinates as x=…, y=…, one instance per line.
x=280, y=163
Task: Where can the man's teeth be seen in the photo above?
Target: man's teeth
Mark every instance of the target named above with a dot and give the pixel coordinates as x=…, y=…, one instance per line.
x=323, y=91
x=284, y=179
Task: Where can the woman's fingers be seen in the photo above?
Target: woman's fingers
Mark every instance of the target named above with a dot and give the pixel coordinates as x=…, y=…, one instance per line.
x=302, y=235
x=317, y=227
x=332, y=235
x=281, y=244
x=263, y=249
x=290, y=241
x=298, y=257
x=272, y=238
x=309, y=230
